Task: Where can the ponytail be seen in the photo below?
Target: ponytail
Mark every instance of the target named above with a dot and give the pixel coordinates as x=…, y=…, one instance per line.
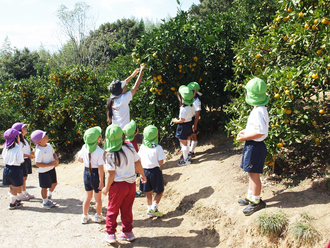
x=109, y=110
x=90, y=164
x=22, y=138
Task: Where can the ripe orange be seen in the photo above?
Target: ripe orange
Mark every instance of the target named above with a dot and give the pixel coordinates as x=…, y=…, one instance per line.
x=280, y=145
x=306, y=25
x=195, y=58
x=319, y=52
x=314, y=123
x=317, y=140
x=285, y=38
x=289, y=9
x=301, y=14
x=294, y=82
x=325, y=20
x=315, y=76
x=288, y=112
x=278, y=19
x=155, y=55
x=321, y=111
x=277, y=95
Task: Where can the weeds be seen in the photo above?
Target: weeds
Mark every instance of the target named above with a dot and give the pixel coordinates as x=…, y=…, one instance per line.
x=272, y=224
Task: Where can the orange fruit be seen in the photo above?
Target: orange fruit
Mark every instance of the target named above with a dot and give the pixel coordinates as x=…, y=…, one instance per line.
x=285, y=38
x=325, y=20
x=317, y=140
x=306, y=25
x=321, y=111
x=314, y=123
x=288, y=112
x=315, y=76
x=301, y=14
x=280, y=145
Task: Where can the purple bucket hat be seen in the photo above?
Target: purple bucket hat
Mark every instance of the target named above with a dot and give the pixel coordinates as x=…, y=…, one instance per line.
x=10, y=135
x=37, y=135
x=18, y=126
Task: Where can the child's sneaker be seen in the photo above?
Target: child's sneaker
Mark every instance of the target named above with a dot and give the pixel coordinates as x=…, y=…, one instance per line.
x=244, y=201
x=49, y=204
x=29, y=195
x=98, y=218
x=15, y=205
x=191, y=155
x=126, y=236
x=110, y=238
x=23, y=197
x=184, y=162
x=84, y=219
x=254, y=207
x=154, y=213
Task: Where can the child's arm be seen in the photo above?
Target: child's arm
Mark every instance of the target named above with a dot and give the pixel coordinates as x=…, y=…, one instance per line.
x=109, y=181
x=133, y=75
x=138, y=81
x=242, y=137
x=101, y=176
x=80, y=160
x=56, y=159
x=197, y=114
x=161, y=162
x=28, y=156
x=176, y=121
x=139, y=168
x=53, y=163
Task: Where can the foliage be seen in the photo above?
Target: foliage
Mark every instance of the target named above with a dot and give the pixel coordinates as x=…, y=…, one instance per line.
x=65, y=104
x=291, y=55
x=207, y=7
x=272, y=224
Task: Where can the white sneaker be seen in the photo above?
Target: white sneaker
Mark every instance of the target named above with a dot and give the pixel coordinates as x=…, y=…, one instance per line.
x=184, y=162
x=84, y=219
x=23, y=197
x=29, y=195
x=49, y=204
x=98, y=218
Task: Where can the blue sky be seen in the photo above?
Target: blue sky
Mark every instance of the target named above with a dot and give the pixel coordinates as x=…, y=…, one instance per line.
x=30, y=23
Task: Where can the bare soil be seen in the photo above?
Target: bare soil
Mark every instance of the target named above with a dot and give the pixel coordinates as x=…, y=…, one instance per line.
x=199, y=205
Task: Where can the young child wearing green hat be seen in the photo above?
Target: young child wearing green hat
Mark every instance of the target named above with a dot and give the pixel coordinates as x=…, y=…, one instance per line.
x=152, y=157
x=254, y=151
x=121, y=162
x=130, y=130
x=93, y=158
x=184, y=128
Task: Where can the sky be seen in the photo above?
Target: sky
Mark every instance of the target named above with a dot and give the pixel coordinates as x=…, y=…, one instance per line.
x=32, y=23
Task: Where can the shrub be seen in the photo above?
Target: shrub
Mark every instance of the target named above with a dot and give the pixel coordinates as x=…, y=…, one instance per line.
x=272, y=224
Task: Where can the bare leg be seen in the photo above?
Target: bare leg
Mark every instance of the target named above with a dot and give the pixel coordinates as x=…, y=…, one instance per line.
x=255, y=183
x=87, y=201
x=149, y=197
x=98, y=200
x=158, y=197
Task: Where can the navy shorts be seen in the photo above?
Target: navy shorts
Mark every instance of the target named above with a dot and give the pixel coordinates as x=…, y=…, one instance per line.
x=254, y=155
x=154, y=182
x=12, y=175
x=193, y=121
x=92, y=181
x=29, y=165
x=184, y=130
x=46, y=179
x=24, y=168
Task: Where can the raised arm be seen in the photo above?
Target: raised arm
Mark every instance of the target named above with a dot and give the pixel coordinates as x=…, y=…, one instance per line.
x=138, y=80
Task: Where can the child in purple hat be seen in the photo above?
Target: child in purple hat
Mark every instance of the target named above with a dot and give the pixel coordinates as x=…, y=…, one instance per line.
x=46, y=161
x=28, y=155
x=12, y=156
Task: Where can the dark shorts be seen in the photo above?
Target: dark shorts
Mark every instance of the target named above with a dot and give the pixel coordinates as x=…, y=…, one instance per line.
x=184, y=130
x=254, y=155
x=193, y=121
x=12, y=175
x=154, y=182
x=46, y=179
x=29, y=165
x=92, y=181
x=24, y=168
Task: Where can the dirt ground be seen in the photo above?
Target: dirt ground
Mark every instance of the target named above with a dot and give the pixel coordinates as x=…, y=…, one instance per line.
x=199, y=205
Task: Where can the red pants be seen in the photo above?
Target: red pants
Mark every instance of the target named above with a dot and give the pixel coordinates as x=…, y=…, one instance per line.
x=121, y=197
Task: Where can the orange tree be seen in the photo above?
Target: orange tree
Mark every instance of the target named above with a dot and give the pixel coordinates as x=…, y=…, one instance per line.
x=292, y=56
x=65, y=104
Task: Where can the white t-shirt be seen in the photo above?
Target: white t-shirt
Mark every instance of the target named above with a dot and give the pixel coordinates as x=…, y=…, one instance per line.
x=187, y=113
x=96, y=157
x=44, y=155
x=151, y=156
x=120, y=109
x=197, y=104
x=258, y=122
x=13, y=156
x=126, y=170
x=26, y=148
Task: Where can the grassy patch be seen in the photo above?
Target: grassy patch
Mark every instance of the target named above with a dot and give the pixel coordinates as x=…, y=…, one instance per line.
x=272, y=224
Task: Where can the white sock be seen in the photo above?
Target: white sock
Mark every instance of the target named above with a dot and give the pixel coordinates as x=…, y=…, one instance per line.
x=49, y=193
x=149, y=207
x=24, y=192
x=185, y=152
x=154, y=205
x=188, y=142
x=45, y=200
x=249, y=194
x=193, y=145
x=255, y=198
x=13, y=198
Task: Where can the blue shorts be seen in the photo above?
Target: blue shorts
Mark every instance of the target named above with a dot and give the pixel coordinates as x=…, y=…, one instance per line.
x=12, y=175
x=24, y=168
x=92, y=181
x=154, y=182
x=254, y=155
x=184, y=130
x=193, y=121
x=46, y=179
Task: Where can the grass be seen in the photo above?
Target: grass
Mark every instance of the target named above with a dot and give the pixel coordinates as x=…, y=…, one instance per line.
x=272, y=224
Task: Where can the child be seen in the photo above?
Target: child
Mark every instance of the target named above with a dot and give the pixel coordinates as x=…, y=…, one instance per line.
x=254, y=151
x=121, y=162
x=152, y=157
x=28, y=155
x=46, y=161
x=198, y=107
x=130, y=130
x=184, y=129
x=92, y=157
x=12, y=156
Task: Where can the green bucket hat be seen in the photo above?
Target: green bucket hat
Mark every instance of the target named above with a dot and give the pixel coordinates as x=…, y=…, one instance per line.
x=194, y=86
x=187, y=95
x=90, y=138
x=150, y=134
x=256, y=92
x=129, y=130
x=114, y=138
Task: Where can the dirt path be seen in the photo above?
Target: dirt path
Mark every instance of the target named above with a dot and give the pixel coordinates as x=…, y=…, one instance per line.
x=199, y=203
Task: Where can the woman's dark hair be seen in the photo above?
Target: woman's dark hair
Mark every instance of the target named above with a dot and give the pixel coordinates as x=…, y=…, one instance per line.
x=14, y=144
x=22, y=138
x=116, y=155
x=109, y=110
x=90, y=164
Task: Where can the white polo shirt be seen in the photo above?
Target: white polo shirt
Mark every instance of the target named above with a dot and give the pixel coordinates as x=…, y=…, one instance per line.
x=120, y=109
x=26, y=148
x=13, y=157
x=187, y=113
x=150, y=157
x=96, y=157
x=45, y=155
x=126, y=170
x=197, y=104
x=258, y=122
